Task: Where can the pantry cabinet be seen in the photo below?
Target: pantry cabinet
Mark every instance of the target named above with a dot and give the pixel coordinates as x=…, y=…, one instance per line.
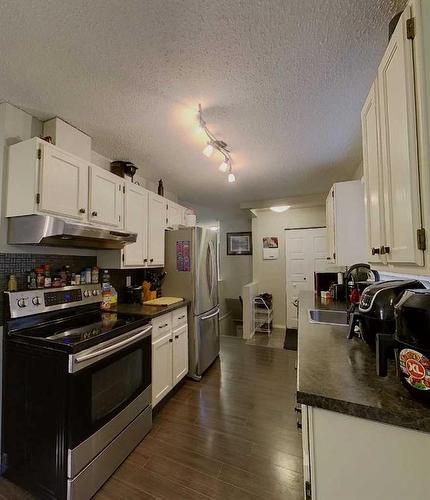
x=169, y=352
x=106, y=192
x=156, y=227
x=346, y=233
x=43, y=179
x=396, y=156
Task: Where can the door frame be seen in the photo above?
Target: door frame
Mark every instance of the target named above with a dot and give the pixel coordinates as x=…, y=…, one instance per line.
x=286, y=261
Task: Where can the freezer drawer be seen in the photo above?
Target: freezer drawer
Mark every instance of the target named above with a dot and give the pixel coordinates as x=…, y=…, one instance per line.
x=207, y=339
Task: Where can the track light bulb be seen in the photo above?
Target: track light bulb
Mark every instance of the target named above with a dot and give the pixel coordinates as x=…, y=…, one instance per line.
x=231, y=177
x=209, y=149
x=223, y=167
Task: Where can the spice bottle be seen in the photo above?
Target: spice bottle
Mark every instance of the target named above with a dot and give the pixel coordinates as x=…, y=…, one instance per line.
x=95, y=275
x=40, y=277
x=48, y=280
x=31, y=280
x=12, y=284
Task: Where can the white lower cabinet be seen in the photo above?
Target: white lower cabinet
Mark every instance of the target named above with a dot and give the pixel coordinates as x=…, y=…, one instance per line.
x=180, y=353
x=169, y=352
x=161, y=367
x=352, y=458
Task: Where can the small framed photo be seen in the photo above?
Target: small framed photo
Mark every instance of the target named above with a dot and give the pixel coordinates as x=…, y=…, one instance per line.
x=239, y=243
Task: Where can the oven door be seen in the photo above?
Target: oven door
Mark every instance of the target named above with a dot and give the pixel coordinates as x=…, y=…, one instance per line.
x=110, y=385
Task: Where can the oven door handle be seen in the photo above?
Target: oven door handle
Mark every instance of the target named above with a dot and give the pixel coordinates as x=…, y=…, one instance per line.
x=114, y=347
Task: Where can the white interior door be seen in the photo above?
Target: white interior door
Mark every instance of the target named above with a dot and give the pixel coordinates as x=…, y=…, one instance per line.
x=304, y=249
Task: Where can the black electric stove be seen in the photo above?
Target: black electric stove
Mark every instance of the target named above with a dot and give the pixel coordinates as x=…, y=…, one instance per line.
x=77, y=390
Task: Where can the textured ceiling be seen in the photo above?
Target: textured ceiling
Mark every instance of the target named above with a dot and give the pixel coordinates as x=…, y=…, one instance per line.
x=282, y=81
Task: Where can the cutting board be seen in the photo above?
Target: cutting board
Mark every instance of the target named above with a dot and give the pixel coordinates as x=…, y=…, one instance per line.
x=163, y=301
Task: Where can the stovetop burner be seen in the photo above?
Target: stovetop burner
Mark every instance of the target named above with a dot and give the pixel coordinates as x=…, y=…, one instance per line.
x=77, y=332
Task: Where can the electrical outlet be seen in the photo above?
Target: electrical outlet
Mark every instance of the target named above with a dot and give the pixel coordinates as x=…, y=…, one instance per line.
x=128, y=281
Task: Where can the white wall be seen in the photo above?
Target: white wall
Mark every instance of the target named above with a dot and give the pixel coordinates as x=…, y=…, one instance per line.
x=236, y=270
x=271, y=273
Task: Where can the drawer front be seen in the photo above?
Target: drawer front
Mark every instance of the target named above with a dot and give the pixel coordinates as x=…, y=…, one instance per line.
x=161, y=326
x=179, y=317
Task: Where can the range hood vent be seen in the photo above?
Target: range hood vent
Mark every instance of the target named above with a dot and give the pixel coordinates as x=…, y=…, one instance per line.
x=46, y=230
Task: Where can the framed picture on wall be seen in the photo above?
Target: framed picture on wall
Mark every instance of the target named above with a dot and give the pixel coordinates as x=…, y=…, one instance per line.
x=239, y=243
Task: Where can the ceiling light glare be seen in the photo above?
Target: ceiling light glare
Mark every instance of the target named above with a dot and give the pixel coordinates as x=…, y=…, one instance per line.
x=231, y=177
x=209, y=149
x=224, y=166
x=280, y=208
x=214, y=228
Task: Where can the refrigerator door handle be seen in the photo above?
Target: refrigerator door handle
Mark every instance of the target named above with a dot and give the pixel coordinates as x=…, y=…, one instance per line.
x=211, y=315
x=209, y=268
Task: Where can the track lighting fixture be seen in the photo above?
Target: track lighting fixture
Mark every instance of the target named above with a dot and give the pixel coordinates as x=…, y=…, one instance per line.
x=209, y=149
x=215, y=144
x=224, y=166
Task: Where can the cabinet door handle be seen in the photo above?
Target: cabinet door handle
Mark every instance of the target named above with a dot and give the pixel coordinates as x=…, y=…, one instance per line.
x=387, y=249
x=82, y=210
x=375, y=251
x=164, y=326
x=170, y=340
x=94, y=213
x=145, y=260
x=151, y=260
x=176, y=336
x=182, y=317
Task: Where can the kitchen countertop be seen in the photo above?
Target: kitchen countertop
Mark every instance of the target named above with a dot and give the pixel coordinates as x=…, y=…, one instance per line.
x=149, y=311
x=338, y=374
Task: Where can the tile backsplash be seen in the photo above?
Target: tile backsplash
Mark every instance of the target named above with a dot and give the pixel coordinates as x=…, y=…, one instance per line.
x=21, y=263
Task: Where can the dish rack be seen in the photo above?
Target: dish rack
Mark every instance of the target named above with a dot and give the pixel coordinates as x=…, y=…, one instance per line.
x=263, y=315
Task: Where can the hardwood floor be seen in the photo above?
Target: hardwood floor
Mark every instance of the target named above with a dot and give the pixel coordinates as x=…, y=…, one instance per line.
x=232, y=436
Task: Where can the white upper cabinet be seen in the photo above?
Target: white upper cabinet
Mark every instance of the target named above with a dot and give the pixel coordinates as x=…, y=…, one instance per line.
x=400, y=148
x=63, y=184
x=136, y=220
x=156, y=227
x=374, y=193
x=346, y=230
x=45, y=179
x=175, y=215
x=105, y=197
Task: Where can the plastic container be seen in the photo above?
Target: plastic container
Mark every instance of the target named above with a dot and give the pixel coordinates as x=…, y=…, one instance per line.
x=12, y=284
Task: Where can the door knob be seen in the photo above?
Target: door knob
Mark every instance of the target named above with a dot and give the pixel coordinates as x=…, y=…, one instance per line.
x=94, y=214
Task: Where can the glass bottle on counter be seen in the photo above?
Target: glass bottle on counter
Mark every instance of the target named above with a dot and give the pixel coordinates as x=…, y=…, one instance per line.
x=88, y=275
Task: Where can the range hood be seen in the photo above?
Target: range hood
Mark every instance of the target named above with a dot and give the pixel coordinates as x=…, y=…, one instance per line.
x=46, y=230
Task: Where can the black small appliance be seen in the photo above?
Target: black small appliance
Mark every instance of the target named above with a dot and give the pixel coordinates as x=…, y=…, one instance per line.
x=376, y=308
x=411, y=343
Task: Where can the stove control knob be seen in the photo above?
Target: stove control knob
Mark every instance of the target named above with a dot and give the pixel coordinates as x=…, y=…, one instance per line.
x=36, y=301
x=86, y=293
x=95, y=292
x=21, y=302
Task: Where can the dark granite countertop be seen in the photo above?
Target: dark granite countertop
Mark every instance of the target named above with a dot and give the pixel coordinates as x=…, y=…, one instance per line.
x=149, y=311
x=338, y=374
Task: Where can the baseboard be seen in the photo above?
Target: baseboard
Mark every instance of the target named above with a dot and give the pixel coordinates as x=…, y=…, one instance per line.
x=282, y=327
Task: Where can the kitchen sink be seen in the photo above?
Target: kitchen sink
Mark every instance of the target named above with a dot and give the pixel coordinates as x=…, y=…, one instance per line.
x=327, y=317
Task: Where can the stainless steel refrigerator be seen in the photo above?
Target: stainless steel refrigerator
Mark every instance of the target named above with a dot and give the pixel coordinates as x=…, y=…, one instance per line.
x=191, y=266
